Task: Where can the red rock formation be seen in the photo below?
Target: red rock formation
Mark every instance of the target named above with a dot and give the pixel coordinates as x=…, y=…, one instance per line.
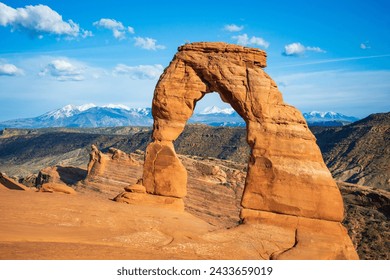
x=11, y=184
x=110, y=169
x=56, y=187
x=286, y=173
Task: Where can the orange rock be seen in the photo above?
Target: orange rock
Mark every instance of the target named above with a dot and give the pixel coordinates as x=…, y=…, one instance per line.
x=110, y=168
x=9, y=183
x=136, y=188
x=150, y=200
x=164, y=174
x=311, y=239
x=286, y=172
x=57, y=187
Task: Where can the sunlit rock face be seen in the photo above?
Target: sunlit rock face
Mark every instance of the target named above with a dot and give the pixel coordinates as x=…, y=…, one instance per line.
x=286, y=172
x=288, y=186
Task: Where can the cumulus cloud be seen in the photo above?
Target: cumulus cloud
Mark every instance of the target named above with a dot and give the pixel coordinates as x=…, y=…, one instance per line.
x=63, y=70
x=365, y=46
x=147, y=43
x=297, y=49
x=233, y=28
x=38, y=20
x=244, y=40
x=117, y=27
x=140, y=72
x=9, y=70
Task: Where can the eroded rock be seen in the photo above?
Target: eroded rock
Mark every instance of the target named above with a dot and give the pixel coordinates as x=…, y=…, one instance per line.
x=110, y=169
x=286, y=175
x=9, y=183
x=286, y=172
x=57, y=187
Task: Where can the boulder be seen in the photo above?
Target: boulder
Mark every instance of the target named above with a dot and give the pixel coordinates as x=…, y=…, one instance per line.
x=57, y=187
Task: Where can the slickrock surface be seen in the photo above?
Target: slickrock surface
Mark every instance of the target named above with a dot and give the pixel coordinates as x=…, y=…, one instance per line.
x=38, y=225
x=77, y=227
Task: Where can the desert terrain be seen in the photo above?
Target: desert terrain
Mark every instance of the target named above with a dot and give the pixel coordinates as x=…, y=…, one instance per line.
x=74, y=194
x=90, y=225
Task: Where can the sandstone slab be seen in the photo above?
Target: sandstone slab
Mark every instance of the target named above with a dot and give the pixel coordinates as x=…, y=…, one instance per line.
x=145, y=199
x=57, y=187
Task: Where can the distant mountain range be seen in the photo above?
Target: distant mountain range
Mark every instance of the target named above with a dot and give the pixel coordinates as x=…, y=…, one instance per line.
x=315, y=118
x=90, y=115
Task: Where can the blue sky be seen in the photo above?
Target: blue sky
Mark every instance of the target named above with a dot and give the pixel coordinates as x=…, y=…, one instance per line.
x=324, y=55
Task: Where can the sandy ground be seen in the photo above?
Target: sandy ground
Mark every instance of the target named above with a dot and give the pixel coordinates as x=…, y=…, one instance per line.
x=35, y=225
x=58, y=226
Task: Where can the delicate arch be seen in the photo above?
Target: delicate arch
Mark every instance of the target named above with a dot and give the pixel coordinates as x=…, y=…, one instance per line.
x=286, y=172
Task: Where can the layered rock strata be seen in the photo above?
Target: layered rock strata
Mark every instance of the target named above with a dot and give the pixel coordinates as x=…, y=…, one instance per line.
x=111, y=168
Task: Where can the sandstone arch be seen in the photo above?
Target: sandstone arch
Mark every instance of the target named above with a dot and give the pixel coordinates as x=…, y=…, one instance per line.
x=286, y=172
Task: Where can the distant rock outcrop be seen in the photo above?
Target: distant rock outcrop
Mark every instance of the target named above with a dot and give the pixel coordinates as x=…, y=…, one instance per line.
x=9, y=183
x=60, y=174
x=360, y=152
x=110, y=169
x=287, y=182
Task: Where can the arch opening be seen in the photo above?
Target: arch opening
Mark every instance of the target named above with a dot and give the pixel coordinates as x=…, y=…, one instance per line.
x=215, y=159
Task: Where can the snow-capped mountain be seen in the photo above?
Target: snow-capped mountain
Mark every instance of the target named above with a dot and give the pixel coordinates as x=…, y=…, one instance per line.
x=67, y=111
x=328, y=118
x=215, y=116
x=90, y=115
x=216, y=110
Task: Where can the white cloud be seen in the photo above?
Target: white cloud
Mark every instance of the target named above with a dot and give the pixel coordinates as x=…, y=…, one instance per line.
x=315, y=49
x=233, y=28
x=297, y=49
x=147, y=43
x=245, y=40
x=86, y=33
x=294, y=49
x=38, y=20
x=9, y=70
x=63, y=70
x=130, y=30
x=117, y=27
x=150, y=72
x=365, y=46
